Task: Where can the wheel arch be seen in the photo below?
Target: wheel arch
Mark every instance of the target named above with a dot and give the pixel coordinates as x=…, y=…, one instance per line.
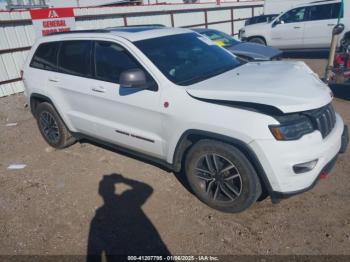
x=346, y=36
x=190, y=137
x=257, y=36
x=36, y=99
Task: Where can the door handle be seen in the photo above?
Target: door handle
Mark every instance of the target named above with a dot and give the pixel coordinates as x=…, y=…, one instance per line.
x=54, y=80
x=297, y=27
x=98, y=89
x=331, y=24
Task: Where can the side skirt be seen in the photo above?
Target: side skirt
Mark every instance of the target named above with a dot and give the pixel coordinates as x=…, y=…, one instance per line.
x=126, y=151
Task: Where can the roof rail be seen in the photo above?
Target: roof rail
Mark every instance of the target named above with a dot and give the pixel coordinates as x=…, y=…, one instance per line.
x=136, y=26
x=142, y=25
x=321, y=1
x=81, y=31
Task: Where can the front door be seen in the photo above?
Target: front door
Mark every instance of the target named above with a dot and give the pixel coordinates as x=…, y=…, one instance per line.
x=130, y=117
x=287, y=31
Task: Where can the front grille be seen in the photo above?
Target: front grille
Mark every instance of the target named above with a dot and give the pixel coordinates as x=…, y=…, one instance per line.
x=323, y=119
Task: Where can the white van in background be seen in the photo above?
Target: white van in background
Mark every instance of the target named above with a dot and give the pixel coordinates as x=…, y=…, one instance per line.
x=307, y=26
x=280, y=6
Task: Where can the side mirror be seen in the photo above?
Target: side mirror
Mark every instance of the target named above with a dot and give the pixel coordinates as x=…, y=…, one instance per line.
x=277, y=22
x=338, y=29
x=133, y=78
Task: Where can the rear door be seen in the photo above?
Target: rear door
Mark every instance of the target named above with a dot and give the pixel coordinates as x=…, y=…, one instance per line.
x=321, y=20
x=288, y=31
x=42, y=68
x=71, y=85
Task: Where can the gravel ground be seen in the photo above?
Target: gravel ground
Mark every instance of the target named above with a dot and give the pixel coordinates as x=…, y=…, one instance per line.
x=64, y=201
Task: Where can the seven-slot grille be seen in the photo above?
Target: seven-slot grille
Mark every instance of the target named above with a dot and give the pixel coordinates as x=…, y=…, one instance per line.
x=324, y=119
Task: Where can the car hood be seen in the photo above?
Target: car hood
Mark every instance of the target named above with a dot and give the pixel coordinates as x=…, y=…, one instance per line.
x=256, y=27
x=287, y=85
x=255, y=51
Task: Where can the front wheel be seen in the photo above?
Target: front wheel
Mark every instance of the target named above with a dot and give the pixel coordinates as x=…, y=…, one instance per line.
x=222, y=177
x=257, y=40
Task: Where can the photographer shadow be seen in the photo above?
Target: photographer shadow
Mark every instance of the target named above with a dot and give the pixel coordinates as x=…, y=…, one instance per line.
x=120, y=227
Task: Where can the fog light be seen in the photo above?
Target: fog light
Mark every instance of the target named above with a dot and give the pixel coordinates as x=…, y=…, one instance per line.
x=305, y=167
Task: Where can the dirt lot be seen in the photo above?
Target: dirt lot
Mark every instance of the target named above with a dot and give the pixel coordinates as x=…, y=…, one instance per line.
x=50, y=206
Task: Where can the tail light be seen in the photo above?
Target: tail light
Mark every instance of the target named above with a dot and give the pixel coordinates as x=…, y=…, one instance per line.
x=21, y=73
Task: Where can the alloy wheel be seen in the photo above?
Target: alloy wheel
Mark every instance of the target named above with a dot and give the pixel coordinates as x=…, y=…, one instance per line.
x=49, y=127
x=218, y=177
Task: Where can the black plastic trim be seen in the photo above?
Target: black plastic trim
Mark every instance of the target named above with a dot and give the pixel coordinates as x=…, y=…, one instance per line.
x=129, y=152
x=42, y=97
x=250, y=106
x=102, y=31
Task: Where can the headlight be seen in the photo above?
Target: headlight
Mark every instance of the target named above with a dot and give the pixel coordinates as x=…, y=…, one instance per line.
x=292, y=130
x=241, y=33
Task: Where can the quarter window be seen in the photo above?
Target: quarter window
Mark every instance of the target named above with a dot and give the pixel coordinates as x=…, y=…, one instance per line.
x=111, y=60
x=45, y=57
x=294, y=16
x=336, y=10
x=75, y=58
x=323, y=12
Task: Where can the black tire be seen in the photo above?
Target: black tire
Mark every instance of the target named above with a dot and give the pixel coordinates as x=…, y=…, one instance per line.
x=257, y=40
x=52, y=128
x=246, y=185
x=345, y=43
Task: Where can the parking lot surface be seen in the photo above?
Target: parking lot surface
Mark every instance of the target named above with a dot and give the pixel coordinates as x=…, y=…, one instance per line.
x=64, y=201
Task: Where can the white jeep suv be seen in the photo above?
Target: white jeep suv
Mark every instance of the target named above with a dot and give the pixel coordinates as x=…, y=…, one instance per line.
x=238, y=131
x=308, y=26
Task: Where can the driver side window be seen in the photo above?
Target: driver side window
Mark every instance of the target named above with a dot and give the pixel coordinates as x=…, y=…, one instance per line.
x=294, y=16
x=111, y=60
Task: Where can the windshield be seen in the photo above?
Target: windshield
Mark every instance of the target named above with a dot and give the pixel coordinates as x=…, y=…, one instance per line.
x=220, y=38
x=186, y=59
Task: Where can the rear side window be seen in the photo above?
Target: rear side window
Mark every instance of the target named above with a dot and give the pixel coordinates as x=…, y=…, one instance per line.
x=75, y=58
x=45, y=57
x=336, y=10
x=110, y=60
x=323, y=12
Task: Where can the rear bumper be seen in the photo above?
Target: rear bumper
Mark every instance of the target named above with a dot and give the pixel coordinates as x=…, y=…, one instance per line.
x=275, y=195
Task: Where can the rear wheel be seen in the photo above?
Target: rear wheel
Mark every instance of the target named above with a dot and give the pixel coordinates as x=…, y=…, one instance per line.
x=52, y=127
x=257, y=40
x=221, y=176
